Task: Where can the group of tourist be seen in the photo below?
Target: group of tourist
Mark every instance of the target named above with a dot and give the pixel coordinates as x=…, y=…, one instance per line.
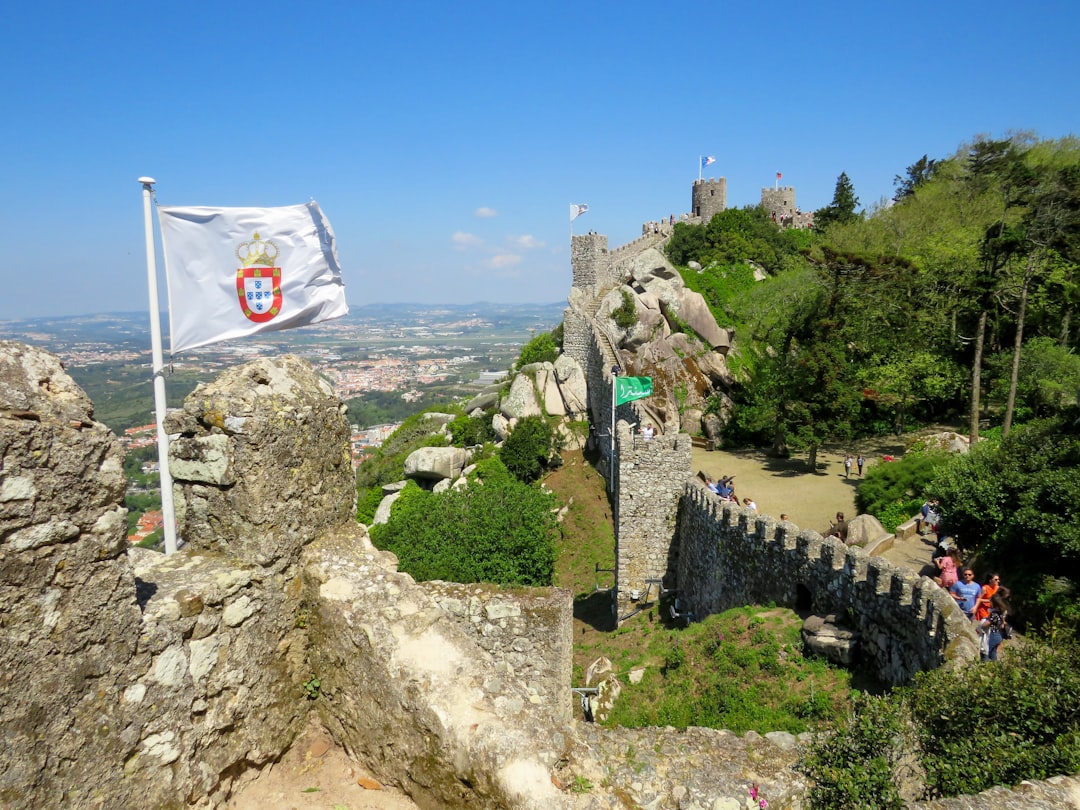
x=985, y=605
x=725, y=488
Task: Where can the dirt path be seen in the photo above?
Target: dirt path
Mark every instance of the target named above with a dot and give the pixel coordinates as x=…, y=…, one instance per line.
x=318, y=775
x=783, y=486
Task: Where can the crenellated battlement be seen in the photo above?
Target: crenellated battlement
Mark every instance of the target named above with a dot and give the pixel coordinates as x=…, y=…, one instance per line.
x=730, y=557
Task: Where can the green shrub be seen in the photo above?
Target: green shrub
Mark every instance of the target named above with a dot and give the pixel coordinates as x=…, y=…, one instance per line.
x=496, y=529
x=468, y=431
x=898, y=483
x=854, y=767
x=541, y=349
x=625, y=315
x=1003, y=723
x=366, y=504
x=969, y=729
x=527, y=449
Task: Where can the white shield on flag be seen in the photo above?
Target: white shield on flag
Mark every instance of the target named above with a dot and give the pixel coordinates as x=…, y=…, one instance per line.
x=259, y=292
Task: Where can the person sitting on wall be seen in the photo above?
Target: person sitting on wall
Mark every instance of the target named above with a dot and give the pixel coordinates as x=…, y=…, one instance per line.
x=711, y=485
x=749, y=504
x=966, y=592
x=838, y=528
x=725, y=489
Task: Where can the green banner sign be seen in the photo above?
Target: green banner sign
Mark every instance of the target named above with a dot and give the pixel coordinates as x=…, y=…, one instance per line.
x=627, y=389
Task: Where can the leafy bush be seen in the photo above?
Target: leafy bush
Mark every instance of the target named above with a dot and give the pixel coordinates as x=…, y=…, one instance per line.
x=966, y=729
x=625, y=315
x=527, y=449
x=367, y=503
x=888, y=488
x=854, y=767
x=1001, y=724
x=497, y=529
x=541, y=349
x=469, y=432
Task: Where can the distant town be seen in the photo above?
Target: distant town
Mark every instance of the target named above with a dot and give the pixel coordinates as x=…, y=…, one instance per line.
x=389, y=360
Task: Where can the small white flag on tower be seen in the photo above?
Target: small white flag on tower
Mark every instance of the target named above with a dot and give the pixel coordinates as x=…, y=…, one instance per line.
x=577, y=209
x=234, y=272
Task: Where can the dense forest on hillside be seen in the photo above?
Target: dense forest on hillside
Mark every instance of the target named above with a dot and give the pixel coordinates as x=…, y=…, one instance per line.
x=954, y=302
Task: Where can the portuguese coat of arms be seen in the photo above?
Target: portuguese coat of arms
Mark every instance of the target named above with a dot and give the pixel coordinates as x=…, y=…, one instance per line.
x=258, y=281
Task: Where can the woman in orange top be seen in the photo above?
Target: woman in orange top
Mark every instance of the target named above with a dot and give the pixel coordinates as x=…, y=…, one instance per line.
x=982, y=604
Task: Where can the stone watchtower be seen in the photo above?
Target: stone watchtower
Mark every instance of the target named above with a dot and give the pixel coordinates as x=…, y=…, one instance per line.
x=708, y=198
x=779, y=202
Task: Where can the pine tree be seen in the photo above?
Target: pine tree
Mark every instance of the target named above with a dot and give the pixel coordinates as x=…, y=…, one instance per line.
x=843, y=205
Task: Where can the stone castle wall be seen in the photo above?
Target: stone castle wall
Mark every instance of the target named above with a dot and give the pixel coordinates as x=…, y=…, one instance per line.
x=730, y=557
x=649, y=478
x=528, y=630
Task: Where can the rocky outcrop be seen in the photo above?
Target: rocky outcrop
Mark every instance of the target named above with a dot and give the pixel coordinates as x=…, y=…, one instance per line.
x=261, y=461
x=826, y=637
x=435, y=463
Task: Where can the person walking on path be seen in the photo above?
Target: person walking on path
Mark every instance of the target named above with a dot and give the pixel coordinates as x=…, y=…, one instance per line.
x=847, y=466
x=860, y=461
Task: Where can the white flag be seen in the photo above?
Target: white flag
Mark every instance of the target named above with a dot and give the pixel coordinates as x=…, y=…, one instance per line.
x=576, y=210
x=240, y=271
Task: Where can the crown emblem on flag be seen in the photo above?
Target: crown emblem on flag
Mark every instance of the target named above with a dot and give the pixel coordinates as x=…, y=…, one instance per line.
x=258, y=252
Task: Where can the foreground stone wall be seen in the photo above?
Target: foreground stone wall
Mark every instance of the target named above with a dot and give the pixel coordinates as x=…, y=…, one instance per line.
x=730, y=557
x=529, y=631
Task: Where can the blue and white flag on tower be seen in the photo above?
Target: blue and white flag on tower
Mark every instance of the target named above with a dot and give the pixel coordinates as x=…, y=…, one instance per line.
x=707, y=161
x=234, y=272
x=577, y=209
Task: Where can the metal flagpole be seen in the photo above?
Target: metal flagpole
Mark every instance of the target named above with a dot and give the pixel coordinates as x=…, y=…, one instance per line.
x=700, y=165
x=168, y=509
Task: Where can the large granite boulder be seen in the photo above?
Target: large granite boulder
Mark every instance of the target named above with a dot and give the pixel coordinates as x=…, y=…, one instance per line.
x=572, y=385
x=262, y=462
x=863, y=530
x=69, y=622
x=521, y=401
x=436, y=463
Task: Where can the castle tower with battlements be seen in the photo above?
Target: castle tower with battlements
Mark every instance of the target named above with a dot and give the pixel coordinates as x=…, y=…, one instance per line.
x=780, y=204
x=708, y=198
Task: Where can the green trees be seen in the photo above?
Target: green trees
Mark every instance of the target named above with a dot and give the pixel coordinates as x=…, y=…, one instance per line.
x=497, y=530
x=956, y=732
x=527, y=449
x=842, y=208
x=1015, y=504
x=541, y=349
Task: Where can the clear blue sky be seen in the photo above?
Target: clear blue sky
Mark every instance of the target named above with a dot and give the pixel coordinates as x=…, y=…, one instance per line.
x=445, y=141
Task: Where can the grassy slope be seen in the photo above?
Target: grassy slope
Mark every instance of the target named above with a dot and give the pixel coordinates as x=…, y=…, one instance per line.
x=740, y=670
